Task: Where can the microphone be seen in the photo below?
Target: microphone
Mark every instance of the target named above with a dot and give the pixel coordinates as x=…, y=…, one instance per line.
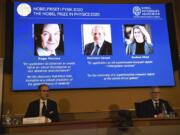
x=164, y=109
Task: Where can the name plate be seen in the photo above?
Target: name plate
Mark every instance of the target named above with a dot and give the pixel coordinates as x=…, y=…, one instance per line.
x=36, y=120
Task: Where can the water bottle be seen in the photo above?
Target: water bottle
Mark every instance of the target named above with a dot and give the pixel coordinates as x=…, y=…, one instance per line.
x=8, y=118
x=172, y=114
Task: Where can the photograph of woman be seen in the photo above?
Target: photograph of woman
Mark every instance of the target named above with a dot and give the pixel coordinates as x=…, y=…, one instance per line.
x=139, y=41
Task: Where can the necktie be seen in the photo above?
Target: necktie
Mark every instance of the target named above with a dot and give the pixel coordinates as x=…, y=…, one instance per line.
x=96, y=50
x=157, y=106
x=44, y=109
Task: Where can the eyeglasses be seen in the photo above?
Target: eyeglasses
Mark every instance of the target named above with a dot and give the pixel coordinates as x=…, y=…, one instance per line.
x=155, y=92
x=44, y=90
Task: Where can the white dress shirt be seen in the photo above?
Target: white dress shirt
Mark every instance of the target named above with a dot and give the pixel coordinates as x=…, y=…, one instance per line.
x=43, y=52
x=154, y=103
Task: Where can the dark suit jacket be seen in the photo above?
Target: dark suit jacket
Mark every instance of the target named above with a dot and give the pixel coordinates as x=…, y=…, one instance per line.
x=51, y=112
x=148, y=109
x=106, y=48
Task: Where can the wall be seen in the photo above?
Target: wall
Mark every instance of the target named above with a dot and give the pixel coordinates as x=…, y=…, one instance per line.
x=83, y=100
x=177, y=19
x=1, y=81
x=2, y=33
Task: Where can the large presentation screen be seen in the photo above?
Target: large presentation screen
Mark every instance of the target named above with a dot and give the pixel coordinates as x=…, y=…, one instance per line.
x=78, y=46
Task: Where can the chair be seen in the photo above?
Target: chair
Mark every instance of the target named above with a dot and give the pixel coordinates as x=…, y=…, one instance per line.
x=125, y=119
x=139, y=109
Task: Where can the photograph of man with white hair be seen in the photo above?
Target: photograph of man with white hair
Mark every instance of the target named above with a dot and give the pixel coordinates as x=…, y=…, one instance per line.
x=99, y=44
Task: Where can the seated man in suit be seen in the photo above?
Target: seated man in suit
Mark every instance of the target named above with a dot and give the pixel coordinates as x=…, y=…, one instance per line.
x=43, y=106
x=100, y=46
x=156, y=107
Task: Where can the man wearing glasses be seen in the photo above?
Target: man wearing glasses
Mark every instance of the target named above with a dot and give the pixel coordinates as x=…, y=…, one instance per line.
x=156, y=107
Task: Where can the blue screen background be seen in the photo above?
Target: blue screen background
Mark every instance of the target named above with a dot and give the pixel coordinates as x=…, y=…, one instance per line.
x=78, y=74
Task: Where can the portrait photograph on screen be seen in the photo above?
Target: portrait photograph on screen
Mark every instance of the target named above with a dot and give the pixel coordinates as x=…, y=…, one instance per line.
x=48, y=39
x=138, y=39
x=97, y=39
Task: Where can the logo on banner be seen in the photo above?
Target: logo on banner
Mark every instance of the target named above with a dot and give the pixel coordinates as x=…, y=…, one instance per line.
x=136, y=10
x=24, y=9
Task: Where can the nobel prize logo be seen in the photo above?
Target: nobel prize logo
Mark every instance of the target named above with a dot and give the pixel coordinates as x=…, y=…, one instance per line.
x=136, y=10
x=24, y=9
